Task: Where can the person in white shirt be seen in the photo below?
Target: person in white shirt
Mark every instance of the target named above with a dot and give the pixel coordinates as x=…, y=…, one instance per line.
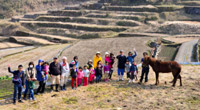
x=86, y=75
x=65, y=73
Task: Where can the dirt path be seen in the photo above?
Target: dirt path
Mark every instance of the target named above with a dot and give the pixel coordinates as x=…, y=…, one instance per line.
x=121, y=95
x=185, y=53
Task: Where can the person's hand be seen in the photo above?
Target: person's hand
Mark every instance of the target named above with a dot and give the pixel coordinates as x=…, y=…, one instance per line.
x=134, y=49
x=51, y=75
x=9, y=65
x=29, y=79
x=24, y=86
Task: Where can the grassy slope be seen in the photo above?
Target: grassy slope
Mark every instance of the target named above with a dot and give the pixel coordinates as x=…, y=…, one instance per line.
x=115, y=95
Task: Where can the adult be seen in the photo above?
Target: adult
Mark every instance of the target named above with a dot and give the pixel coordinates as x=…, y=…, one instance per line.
x=29, y=76
x=145, y=68
x=131, y=57
x=121, y=64
x=41, y=77
x=65, y=73
x=97, y=58
x=55, y=71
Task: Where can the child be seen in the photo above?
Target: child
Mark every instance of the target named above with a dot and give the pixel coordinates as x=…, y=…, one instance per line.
x=131, y=57
x=106, y=71
x=111, y=64
x=31, y=86
x=133, y=72
x=107, y=57
x=92, y=75
x=127, y=68
x=46, y=68
x=74, y=73
x=98, y=73
x=89, y=64
x=100, y=63
x=86, y=75
x=18, y=81
x=80, y=75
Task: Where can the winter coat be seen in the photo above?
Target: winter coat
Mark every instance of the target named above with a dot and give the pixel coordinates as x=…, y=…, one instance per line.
x=121, y=61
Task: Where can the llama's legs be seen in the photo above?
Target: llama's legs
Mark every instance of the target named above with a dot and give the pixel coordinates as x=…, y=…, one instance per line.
x=180, y=80
x=157, y=76
x=175, y=79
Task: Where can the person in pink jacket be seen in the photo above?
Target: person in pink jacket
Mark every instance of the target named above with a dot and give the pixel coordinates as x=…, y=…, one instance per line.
x=92, y=75
x=80, y=75
x=107, y=57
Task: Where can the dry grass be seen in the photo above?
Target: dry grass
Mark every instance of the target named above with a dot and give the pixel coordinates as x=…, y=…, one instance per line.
x=121, y=95
x=9, y=45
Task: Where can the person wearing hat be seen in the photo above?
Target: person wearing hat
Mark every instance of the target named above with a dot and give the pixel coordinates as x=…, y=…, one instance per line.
x=65, y=73
x=97, y=58
x=89, y=64
x=55, y=71
x=121, y=64
x=131, y=57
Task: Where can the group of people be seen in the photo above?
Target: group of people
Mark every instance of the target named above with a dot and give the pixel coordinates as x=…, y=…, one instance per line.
x=93, y=71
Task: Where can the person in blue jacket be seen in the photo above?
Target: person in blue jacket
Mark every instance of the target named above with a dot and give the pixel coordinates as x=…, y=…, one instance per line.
x=18, y=81
x=41, y=77
x=133, y=72
x=131, y=57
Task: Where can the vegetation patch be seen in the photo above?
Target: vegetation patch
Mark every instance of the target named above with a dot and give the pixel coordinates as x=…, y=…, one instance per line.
x=71, y=100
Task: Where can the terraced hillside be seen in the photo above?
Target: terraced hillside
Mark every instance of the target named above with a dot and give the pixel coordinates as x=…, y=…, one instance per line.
x=103, y=19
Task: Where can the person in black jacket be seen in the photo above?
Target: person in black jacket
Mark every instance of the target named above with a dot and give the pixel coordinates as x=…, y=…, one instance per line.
x=18, y=81
x=55, y=73
x=74, y=73
x=98, y=73
x=121, y=64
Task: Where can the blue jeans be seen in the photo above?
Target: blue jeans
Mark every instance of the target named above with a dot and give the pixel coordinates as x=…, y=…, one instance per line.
x=120, y=71
x=98, y=78
x=26, y=89
x=31, y=94
x=17, y=88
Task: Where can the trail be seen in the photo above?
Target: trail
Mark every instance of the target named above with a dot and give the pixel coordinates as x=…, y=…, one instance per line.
x=185, y=53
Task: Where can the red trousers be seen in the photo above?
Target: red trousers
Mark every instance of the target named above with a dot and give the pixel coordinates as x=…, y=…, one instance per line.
x=85, y=81
x=74, y=80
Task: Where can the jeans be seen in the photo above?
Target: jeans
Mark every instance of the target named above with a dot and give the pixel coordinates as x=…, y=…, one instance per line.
x=17, y=88
x=145, y=71
x=31, y=94
x=26, y=89
x=120, y=71
x=98, y=78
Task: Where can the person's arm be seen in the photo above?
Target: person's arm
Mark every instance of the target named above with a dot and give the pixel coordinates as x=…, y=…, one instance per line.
x=117, y=57
x=27, y=73
x=50, y=69
x=134, y=54
x=60, y=68
x=23, y=79
x=10, y=71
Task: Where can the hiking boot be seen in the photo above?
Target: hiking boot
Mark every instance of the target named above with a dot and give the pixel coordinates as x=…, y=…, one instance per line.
x=14, y=102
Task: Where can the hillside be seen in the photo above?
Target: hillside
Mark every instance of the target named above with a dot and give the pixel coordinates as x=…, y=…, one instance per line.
x=9, y=8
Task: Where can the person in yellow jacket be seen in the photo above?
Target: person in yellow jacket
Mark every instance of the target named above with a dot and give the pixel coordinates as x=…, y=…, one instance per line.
x=97, y=58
